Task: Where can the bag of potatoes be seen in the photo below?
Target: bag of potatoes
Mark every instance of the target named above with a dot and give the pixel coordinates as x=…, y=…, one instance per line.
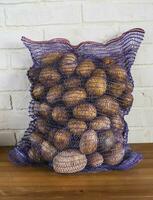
x=80, y=95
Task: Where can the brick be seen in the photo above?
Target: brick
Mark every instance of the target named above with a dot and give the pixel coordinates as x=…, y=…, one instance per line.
x=7, y=138
x=20, y=100
x=5, y=59
x=140, y=135
x=11, y=38
x=21, y=59
x=14, y=119
x=143, y=76
x=143, y=97
x=1, y=16
x=83, y=32
x=15, y=1
x=13, y=80
x=5, y=102
x=110, y=11
x=140, y=117
x=43, y=13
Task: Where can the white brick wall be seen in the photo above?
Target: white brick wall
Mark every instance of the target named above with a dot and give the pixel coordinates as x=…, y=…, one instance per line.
x=76, y=20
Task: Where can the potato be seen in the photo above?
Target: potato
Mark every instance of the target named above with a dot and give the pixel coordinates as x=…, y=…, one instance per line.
x=50, y=58
x=108, y=61
x=76, y=126
x=115, y=155
x=99, y=73
x=38, y=91
x=54, y=94
x=49, y=76
x=107, y=105
x=42, y=126
x=129, y=87
x=72, y=83
x=117, y=73
x=61, y=139
x=48, y=151
x=117, y=122
x=126, y=100
x=95, y=159
x=68, y=64
x=74, y=96
x=45, y=110
x=85, y=68
x=34, y=155
x=96, y=86
x=59, y=114
x=85, y=111
x=88, y=142
x=116, y=89
x=35, y=138
x=33, y=74
x=100, y=123
x=106, y=141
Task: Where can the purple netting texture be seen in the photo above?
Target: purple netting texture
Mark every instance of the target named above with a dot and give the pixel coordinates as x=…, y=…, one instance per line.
x=80, y=95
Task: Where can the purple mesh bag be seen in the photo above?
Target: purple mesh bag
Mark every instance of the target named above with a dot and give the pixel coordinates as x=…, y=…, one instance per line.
x=80, y=95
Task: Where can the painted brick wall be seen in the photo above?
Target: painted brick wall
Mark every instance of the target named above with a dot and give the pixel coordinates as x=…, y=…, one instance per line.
x=76, y=20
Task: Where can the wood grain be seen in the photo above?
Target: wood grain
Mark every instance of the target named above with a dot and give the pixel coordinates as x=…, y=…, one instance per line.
x=29, y=183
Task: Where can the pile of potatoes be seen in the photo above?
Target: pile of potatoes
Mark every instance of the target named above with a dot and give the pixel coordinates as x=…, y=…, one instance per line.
x=79, y=104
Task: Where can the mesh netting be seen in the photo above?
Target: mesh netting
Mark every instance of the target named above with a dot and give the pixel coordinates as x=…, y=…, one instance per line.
x=80, y=95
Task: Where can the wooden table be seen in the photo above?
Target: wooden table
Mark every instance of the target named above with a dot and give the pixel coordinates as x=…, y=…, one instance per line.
x=29, y=183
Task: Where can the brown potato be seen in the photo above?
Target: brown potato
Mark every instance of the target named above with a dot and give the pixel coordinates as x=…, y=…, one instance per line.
x=38, y=91
x=106, y=141
x=36, y=138
x=126, y=100
x=99, y=73
x=50, y=58
x=117, y=122
x=100, y=123
x=74, y=96
x=45, y=110
x=33, y=74
x=61, y=139
x=60, y=115
x=42, y=126
x=54, y=94
x=48, y=151
x=116, y=73
x=76, y=126
x=85, y=111
x=49, y=76
x=108, y=61
x=129, y=87
x=95, y=159
x=116, y=89
x=115, y=155
x=68, y=64
x=34, y=155
x=85, y=68
x=88, y=142
x=72, y=83
x=107, y=105
x=96, y=86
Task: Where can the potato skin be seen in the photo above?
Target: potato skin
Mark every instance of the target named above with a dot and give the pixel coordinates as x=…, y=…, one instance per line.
x=100, y=123
x=42, y=126
x=85, y=112
x=117, y=122
x=54, y=94
x=95, y=159
x=48, y=151
x=129, y=87
x=85, y=68
x=76, y=126
x=38, y=91
x=60, y=115
x=107, y=105
x=49, y=76
x=108, y=61
x=35, y=138
x=116, y=89
x=99, y=73
x=74, y=96
x=50, y=58
x=61, y=139
x=72, y=83
x=33, y=74
x=126, y=100
x=117, y=73
x=44, y=110
x=96, y=86
x=34, y=155
x=68, y=64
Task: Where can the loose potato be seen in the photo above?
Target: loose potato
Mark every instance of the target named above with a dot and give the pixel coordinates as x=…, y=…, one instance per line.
x=99, y=73
x=126, y=100
x=68, y=64
x=85, y=68
x=116, y=73
x=74, y=96
x=100, y=123
x=107, y=105
x=59, y=114
x=49, y=76
x=54, y=94
x=38, y=91
x=116, y=89
x=96, y=86
x=72, y=83
x=61, y=139
x=50, y=58
x=76, y=126
x=85, y=111
x=45, y=110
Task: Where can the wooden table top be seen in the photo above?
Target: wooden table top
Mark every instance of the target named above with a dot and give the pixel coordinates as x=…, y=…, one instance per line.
x=29, y=183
